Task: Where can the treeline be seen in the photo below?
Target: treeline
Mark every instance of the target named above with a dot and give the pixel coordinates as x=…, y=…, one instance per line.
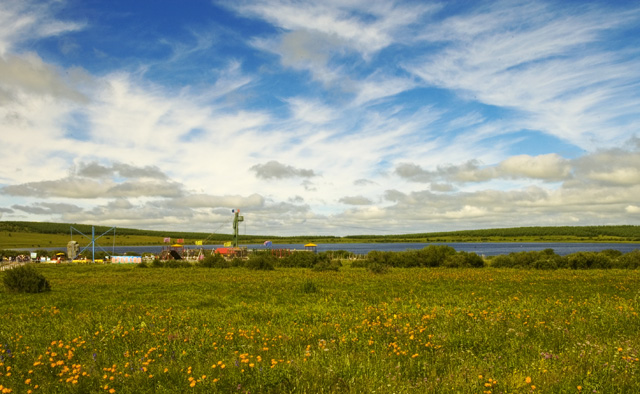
x=65, y=228
x=623, y=232
x=626, y=233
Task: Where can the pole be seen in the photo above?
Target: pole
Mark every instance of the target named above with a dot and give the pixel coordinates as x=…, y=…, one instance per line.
x=235, y=229
x=93, y=244
x=237, y=218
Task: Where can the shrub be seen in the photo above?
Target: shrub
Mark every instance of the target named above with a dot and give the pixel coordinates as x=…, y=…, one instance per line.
x=611, y=253
x=261, y=261
x=157, y=263
x=502, y=261
x=26, y=279
x=333, y=265
x=464, y=259
x=237, y=262
x=177, y=264
x=360, y=263
x=300, y=259
x=376, y=257
x=378, y=268
x=214, y=261
x=309, y=286
x=545, y=259
x=545, y=264
x=585, y=260
x=629, y=260
x=434, y=255
x=143, y=264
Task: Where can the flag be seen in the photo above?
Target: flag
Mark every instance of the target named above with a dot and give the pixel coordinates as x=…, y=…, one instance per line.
x=167, y=240
x=226, y=244
x=180, y=240
x=198, y=242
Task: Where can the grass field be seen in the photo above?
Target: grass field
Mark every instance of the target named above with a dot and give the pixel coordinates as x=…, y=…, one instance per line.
x=120, y=329
x=44, y=235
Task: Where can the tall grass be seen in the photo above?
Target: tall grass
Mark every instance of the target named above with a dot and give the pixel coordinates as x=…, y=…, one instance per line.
x=117, y=329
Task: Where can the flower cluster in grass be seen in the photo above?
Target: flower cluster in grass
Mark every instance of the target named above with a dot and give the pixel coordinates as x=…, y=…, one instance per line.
x=121, y=330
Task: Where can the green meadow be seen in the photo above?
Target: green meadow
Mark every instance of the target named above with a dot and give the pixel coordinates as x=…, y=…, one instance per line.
x=123, y=329
x=15, y=235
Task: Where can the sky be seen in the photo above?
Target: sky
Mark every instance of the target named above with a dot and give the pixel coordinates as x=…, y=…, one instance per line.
x=333, y=117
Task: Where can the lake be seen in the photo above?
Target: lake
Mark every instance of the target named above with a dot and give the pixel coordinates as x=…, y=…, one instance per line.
x=481, y=248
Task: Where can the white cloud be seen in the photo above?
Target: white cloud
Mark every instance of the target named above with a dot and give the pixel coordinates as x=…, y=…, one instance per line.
x=544, y=61
x=360, y=25
x=548, y=167
x=355, y=200
x=328, y=140
x=24, y=20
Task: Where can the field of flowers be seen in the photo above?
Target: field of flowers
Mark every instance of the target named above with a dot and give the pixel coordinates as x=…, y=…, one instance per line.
x=120, y=329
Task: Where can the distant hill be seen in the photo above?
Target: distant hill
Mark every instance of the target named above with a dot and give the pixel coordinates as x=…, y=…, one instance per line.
x=626, y=233
x=10, y=232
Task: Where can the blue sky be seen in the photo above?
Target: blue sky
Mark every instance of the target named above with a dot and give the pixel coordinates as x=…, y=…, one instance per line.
x=335, y=117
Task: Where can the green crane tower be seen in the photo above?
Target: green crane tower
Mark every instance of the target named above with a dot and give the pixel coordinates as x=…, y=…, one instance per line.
x=237, y=218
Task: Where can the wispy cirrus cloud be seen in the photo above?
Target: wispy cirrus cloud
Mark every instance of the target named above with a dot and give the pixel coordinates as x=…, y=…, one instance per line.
x=27, y=20
x=546, y=61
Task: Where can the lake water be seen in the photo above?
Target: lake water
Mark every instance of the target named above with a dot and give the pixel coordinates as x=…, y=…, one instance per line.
x=481, y=248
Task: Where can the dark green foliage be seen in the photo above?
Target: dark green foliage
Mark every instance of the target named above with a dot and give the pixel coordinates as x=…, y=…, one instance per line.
x=546, y=264
x=431, y=256
x=596, y=233
x=261, y=261
x=14, y=253
x=143, y=264
x=360, y=263
x=376, y=257
x=612, y=253
x=301, y=259
x=333, y=265
x=378, y=268
x=43, y=253
x=586, y=260
x=215, y=261
x=25, y=279
x=177, y=264
x=309, y=286
x=545, y=259
x=237, y=262
x=156, y=263
x=501, y=261
x=629, y=260
x=434, y=255
x=464, y=260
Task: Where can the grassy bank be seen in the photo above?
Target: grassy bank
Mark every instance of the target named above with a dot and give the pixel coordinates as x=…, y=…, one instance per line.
x=120, y=329
x=42, y=235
